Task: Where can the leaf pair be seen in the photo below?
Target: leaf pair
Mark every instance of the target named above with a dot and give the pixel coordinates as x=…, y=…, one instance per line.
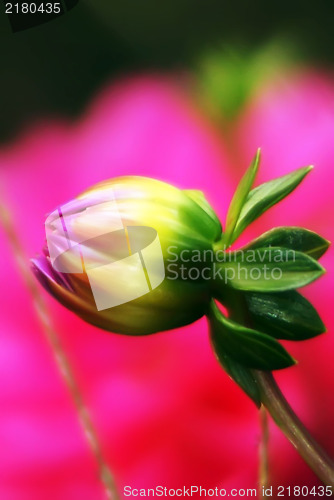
x=240, y=349
x=279, y=260
x=293, y=238
x=248, y=204
x=287, y=315
x=273, y=269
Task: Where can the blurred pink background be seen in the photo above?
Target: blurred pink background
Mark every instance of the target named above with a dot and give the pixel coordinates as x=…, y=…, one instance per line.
x=165, y=411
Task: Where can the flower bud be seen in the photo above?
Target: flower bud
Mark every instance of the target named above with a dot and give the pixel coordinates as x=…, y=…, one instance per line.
x=109, y=252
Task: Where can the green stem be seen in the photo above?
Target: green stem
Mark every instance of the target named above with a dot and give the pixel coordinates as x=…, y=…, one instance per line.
x=294, y=430
x=278, y=407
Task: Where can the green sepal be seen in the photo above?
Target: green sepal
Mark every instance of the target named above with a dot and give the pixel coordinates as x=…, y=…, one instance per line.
x=248, y=347
x=283, y=315
x=240, y=374
x=295, y=238
x=198, y=197
x=240, y=196
x=272, y=269
x=265, y=196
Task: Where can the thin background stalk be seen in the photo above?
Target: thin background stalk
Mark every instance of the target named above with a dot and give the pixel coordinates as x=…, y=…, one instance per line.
x=62, y=361
x=263, y=452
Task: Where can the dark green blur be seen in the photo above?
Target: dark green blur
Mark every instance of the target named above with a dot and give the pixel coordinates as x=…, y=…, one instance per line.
x=55, y=68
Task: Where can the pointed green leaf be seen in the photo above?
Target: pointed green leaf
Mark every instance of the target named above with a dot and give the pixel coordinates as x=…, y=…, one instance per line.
x=284, y=315
x=295, y=238
x=248, y=347
x=265, y=196
x=269, y=269
x=240, y=196
x=240, y=374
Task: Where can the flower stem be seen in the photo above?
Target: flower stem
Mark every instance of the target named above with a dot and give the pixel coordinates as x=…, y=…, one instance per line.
x=295, y=431
x=278, y=407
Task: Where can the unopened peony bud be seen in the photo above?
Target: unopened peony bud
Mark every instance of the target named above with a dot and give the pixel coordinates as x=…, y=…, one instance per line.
x=107, y=255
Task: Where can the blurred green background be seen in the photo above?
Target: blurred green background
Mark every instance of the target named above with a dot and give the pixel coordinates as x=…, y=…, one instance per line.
x=54, y=69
